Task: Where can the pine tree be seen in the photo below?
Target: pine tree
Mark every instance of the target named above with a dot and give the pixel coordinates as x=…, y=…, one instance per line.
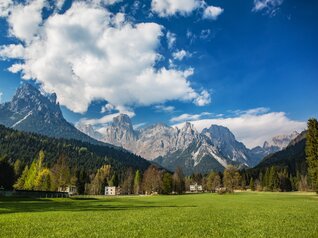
x=137, y=182
x=21, y=181
x=252, y=186
x=166, y=183
x=312, y=152
x=7, y=175
x=178, y=181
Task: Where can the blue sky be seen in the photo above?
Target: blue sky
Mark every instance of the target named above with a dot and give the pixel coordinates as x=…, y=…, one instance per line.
x=228, y=62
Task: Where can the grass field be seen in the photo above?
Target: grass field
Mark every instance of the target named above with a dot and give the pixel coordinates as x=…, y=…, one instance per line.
x=202, y=215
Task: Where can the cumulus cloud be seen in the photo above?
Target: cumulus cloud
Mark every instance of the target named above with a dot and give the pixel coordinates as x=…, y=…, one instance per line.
x=189, y=117
x=12, y=51
x=180, y=54
x=88, y=53
x=24, y=20
x=166, y=8
x=203, y=99
x=163, y=108
x=107, y=108
x=268, y=6
x=212, y=12
x=254, y=126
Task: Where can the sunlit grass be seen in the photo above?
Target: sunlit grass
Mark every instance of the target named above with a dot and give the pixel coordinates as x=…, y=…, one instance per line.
x=202, y=215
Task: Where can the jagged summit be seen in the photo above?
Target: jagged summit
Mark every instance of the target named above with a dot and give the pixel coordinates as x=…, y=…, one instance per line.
x=31, y=111
x=171, y=147
x=280, y=141
x=28, y=99
x=122, y=120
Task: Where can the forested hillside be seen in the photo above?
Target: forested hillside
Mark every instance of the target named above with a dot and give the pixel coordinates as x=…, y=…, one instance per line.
x=16, y=145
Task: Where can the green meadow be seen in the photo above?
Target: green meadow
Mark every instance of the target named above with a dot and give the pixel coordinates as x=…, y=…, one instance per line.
x=199, y=215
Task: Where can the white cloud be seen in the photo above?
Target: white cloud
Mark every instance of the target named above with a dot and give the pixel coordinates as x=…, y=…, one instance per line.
x=166, y=8
x=59, y=4
x=171, y=39
x=89, y=54
x=5, y=6
x=203, y=99
x=268, y=6
x=137, y=126
x=205, y=34
x=212, y=12
x=254, y=128
x=111, y=2
x=107, y=108
x=180, y=54
x=189, y=117
x=163, y=108
x=24, y=20
x=1, y=94
x=107, y=118
x=12, y=51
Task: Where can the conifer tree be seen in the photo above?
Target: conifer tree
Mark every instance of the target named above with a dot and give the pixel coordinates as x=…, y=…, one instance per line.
x=312, y=152
x=137, y=182
x=21, y=181
x=252, y=186
x=166, y=183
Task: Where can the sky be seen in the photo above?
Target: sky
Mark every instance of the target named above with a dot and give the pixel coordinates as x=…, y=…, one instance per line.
x=250, y=65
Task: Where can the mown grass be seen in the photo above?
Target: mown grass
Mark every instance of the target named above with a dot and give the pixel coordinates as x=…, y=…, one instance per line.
x=202, y=215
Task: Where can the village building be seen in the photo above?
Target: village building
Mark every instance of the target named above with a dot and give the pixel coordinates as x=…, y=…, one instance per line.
x=194, y=188
x=112, y=190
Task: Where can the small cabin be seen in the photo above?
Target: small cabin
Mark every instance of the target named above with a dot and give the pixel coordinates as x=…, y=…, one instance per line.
x=112, y=190
x=195, y=188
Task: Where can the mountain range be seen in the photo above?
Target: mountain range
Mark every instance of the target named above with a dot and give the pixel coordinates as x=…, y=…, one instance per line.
x=212, y=149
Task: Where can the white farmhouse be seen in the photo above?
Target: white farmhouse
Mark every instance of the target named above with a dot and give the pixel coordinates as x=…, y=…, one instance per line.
x=194, y=188
x=112, y=190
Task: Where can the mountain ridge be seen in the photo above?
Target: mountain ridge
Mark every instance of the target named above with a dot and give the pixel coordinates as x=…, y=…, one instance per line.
x=171, y=147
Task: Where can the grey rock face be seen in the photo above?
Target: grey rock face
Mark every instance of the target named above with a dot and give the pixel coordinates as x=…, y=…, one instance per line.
x=31, y=111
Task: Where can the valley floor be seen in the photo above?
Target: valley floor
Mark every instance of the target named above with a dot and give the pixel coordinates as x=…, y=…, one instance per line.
x=244, y=214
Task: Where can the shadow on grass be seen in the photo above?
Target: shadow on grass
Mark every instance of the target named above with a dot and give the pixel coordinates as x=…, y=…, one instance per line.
x=25, y=205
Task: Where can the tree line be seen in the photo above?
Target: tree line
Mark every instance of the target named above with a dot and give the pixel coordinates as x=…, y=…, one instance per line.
x=43, y=175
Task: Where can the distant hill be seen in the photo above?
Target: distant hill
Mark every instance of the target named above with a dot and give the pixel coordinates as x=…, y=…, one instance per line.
x=26, y=146
x=292, y=157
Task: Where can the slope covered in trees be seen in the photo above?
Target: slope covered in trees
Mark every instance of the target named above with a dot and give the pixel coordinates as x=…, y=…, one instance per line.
x=22, y=146
x=292, y=158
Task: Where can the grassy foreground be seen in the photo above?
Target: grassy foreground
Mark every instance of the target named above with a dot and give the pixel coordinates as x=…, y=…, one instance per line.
x=202, y=215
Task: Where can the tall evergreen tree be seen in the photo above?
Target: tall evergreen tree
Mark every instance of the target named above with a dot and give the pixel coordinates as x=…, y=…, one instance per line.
x=178, y=181
x=312, y=152
x=137, y=182
x=166, y=183
x=7, y=175
x=252, y=186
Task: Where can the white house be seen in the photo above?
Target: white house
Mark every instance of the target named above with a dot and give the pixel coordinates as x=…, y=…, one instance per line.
x=196, y=188
x=112, y=190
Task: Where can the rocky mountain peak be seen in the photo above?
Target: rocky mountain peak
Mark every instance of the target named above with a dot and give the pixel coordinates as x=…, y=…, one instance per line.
x=280, y=141
x=122, y=120
x=28, y=99
x=218, y=133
